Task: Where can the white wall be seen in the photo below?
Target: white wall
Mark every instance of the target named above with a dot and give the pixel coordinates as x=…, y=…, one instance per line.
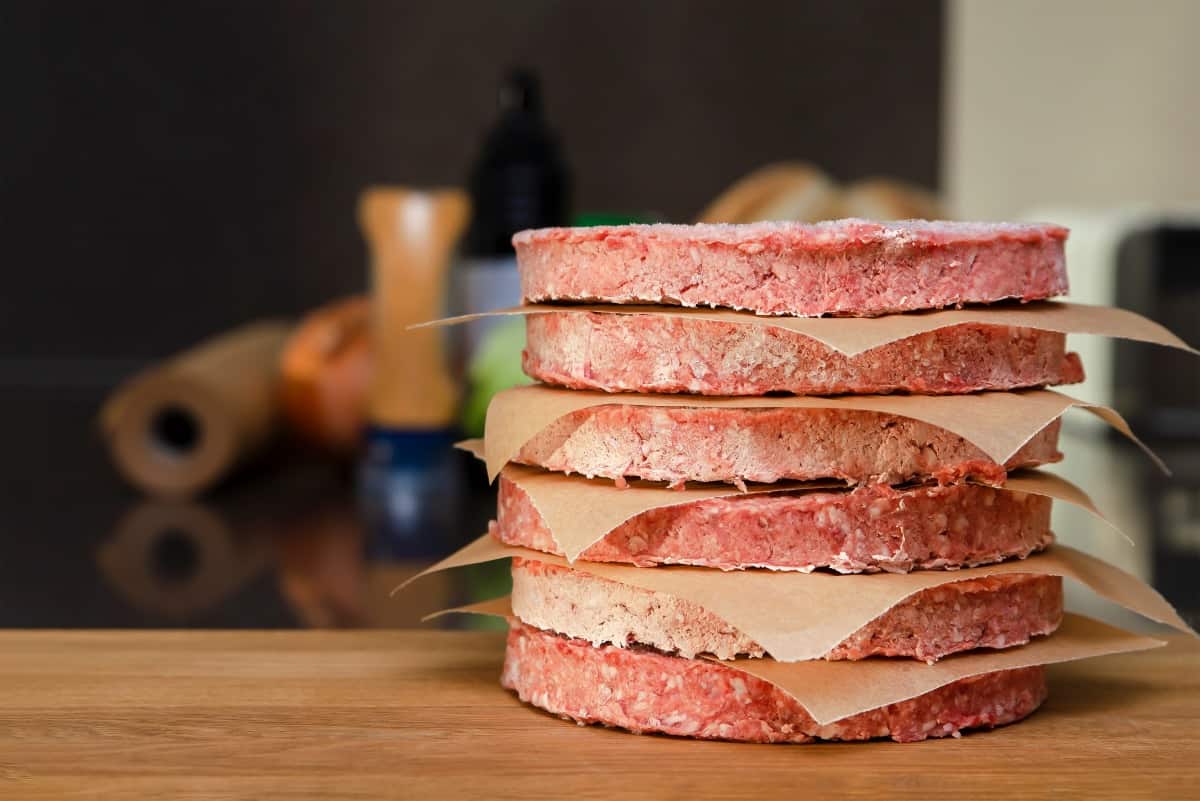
x=1071, y=102
x=1080, y=112
x=1085, y=113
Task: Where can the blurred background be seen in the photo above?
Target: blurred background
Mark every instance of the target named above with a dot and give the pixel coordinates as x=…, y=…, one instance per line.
x=283, y=176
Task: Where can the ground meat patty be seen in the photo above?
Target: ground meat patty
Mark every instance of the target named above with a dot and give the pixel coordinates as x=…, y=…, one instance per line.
x=871, y=528
x=989, y=612
x=846, y=267
x=679, y=444
x=659, y=353
x=646, y=691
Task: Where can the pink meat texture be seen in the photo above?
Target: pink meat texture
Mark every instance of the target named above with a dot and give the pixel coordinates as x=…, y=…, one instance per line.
x=843, y=267
x=868, y=529
x=646, y=691
x=677, y=444
x=988, y=612
x=658, y=353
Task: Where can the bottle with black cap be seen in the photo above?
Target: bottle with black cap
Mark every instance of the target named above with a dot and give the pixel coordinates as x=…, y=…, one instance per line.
x=519, y=181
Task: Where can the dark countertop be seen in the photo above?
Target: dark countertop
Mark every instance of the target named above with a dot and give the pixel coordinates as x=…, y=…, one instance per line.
x=285, y=543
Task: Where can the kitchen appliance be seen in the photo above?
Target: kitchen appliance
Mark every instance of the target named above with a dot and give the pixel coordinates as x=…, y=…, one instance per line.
x=1146, y=260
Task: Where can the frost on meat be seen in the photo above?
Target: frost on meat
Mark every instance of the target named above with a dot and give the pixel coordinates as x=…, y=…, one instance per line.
x=645, y=691
x=680, y=444
x=845, y=267
x=867, y=529
x=660, y=353
x=990, y=612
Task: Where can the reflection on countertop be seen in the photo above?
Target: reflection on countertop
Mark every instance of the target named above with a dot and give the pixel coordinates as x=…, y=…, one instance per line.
x=284, y=544
x=304, y=531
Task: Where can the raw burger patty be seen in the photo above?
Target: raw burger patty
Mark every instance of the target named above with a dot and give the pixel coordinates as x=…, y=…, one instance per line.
x=846, y=267
x=988, y=612
x=645, y=691
x=678, y=444
x=870, y=528
x=657, y=353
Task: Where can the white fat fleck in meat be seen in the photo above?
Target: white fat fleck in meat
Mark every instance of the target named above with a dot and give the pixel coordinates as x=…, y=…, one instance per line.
x=681, y=724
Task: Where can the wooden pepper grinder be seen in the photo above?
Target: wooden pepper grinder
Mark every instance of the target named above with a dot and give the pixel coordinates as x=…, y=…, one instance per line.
x=410, y=235
x=411, y=481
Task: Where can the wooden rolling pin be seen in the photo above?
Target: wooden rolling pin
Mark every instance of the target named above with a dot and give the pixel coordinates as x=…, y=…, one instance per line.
x=180, y=427
x=784, y=191
x=802, y=192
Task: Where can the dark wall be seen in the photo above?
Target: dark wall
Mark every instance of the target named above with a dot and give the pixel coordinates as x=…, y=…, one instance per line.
x=170, y=169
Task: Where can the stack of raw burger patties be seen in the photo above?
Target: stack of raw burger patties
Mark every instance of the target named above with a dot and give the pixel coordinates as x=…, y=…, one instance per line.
x=915, y=496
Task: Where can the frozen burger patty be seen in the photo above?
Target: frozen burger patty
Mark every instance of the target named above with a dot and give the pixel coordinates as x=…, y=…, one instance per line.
x=845, y=267
x=659, y=353
x=644, y=691
x=873, y=527
x=988, y=612
x=679, y=444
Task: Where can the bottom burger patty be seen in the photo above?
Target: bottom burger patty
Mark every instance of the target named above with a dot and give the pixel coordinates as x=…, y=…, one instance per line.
x=990, y=612
x=646, y=691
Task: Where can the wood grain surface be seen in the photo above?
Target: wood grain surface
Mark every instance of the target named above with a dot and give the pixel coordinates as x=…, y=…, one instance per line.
x=412, y=714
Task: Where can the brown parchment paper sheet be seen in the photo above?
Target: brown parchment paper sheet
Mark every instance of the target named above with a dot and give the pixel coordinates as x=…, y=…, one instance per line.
x=801, y=616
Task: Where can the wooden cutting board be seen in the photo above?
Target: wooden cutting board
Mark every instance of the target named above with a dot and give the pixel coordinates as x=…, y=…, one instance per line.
x=412, y=714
